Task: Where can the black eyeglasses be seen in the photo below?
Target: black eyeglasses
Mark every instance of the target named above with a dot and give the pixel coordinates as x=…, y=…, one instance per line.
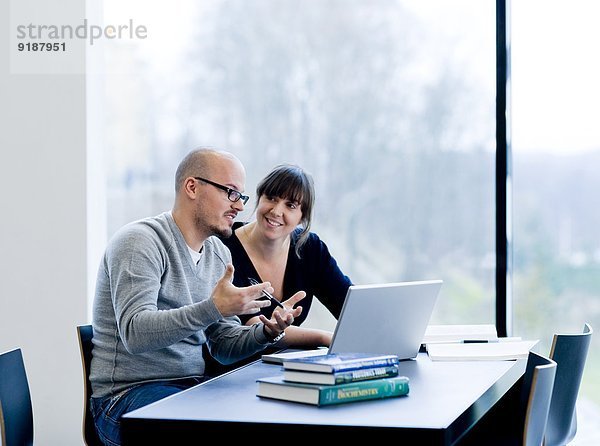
x=232, y=194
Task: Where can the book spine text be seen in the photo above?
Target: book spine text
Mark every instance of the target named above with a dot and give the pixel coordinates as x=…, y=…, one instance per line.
x=364, y=374
x=364, y=390
x=356, y=365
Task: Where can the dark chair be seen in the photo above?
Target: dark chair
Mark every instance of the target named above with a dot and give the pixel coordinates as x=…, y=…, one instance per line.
x=536, y=393
x=569, y=351
x=85, y=333
x=520, y=417
x=16, y=414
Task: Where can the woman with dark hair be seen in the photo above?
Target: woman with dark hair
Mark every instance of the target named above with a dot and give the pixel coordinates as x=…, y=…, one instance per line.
x=278, y=247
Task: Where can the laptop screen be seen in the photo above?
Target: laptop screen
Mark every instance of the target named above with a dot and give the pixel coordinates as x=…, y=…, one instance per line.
x=386, y=318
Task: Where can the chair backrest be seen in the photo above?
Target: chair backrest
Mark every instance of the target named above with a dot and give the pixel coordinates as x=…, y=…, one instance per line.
x=538, y=382
x=85, y=334
x=569, y=351
x=16, y=414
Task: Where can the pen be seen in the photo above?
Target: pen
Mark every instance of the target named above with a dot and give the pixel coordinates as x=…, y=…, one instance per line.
x=268, y=295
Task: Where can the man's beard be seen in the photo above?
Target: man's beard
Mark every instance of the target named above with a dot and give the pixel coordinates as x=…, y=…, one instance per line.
x=221, y=232
x=211, y=229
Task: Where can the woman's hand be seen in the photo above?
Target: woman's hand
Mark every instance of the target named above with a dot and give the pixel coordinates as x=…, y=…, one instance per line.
x=282, y=318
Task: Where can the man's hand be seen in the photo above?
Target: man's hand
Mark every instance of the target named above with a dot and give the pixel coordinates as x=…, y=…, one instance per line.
x=283, y=318
x=231, y=300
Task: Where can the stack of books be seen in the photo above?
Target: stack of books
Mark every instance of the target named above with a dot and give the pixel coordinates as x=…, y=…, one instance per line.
x=335, y=379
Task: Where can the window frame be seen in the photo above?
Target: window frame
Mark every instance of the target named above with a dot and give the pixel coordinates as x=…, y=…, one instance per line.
x=504, y=255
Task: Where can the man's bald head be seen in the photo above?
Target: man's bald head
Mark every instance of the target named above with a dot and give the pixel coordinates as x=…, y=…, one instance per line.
x=201, y=162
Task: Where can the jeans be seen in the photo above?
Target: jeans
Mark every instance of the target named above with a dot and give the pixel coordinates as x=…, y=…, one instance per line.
x=107, y=411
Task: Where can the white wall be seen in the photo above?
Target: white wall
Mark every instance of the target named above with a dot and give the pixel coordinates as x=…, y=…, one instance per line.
x=43, y=273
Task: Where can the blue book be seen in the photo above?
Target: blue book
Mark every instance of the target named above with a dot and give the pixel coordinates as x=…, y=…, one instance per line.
x=338, y=362
x=348, y=376
x=321, y=395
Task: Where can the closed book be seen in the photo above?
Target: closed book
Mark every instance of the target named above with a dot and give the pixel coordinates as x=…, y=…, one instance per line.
x=278, y=358
x=322, y=395
x=460, y=333
x=340, y=377
x=339, y=362
x=492, y=351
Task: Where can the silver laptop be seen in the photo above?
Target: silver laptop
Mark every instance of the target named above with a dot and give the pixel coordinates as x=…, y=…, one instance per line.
x=389, y=318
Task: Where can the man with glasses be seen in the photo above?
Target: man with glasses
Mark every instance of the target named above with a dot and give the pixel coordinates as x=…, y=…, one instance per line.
x=164, y=288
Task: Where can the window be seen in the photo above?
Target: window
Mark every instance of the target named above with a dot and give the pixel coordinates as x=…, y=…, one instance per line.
x=390, y=105
x=556, y=153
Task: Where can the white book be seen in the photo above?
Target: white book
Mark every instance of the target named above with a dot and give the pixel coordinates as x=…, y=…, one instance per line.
x=278, y=358
x=460, y=333
x=483, y=351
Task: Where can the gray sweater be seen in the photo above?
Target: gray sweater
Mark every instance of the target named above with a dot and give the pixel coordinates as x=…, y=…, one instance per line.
x=152, y=309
